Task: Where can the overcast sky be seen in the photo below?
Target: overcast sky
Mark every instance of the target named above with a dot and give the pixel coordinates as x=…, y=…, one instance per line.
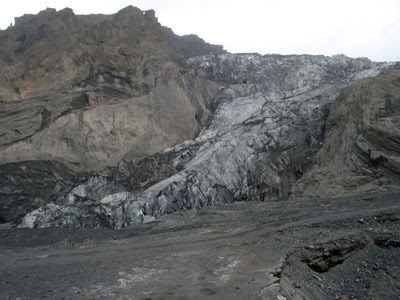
x=357, y=28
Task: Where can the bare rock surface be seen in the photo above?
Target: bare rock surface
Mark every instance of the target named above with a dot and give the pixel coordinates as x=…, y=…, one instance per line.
x=28, y=185
x=91, y=90
x=362, y=141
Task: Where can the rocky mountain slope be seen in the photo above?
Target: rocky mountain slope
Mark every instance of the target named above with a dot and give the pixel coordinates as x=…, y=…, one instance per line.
x=362, y=141
x=261, y=138
x=116, y=91
x=90, y=90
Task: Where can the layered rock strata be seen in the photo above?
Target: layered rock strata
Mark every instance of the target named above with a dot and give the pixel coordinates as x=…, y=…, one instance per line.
x=361, y=147
x=88, y=91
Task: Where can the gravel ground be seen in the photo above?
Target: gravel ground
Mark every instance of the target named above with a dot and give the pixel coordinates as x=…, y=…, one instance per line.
x=344, y=248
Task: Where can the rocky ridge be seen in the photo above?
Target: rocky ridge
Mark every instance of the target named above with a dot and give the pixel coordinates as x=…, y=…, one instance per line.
x=69, y=83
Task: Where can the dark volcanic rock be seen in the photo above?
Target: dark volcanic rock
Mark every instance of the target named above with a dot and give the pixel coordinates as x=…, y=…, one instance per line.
x=246, y=250
x=28, y=185
x=361, y=151
x=344, y=268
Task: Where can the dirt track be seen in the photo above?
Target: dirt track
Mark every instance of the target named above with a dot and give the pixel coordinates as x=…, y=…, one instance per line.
x=346, y=248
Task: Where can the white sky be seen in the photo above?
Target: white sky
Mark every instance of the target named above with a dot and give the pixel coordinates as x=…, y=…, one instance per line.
x=366, y=28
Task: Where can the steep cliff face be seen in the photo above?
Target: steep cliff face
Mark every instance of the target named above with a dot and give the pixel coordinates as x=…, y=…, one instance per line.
x=90, y=90
x=361, y=150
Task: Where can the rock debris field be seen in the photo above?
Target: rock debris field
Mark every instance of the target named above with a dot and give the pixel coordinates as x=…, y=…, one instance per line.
x=344, y=248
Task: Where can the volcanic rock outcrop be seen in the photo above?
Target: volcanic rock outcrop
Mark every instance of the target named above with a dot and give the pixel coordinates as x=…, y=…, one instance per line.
x=361, y=149
x=90, y=90
x=272, y=127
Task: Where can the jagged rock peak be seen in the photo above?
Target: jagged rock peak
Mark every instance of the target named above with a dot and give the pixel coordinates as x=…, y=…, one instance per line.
x=136, y=13
x=44, y=16
x=51, y=13
x=64, y=47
